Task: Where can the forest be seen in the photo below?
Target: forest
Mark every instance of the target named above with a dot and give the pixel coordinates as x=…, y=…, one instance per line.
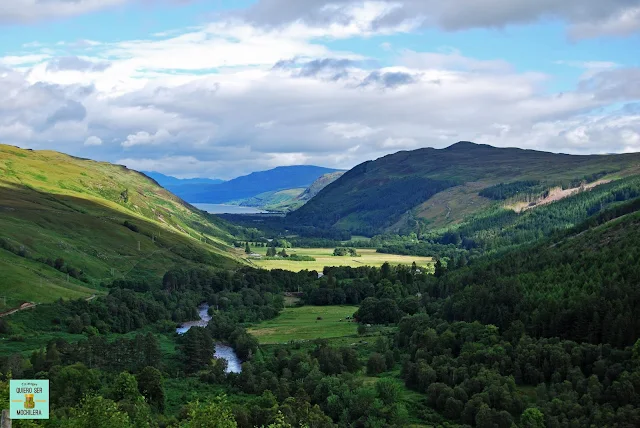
x=544, y=335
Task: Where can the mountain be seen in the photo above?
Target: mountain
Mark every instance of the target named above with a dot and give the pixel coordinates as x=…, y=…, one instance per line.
x=68, y=224
x=277, y=200
x=280, y=178
x=168, y=181
x=290, y=199
x=444, y=186
x=320, y=184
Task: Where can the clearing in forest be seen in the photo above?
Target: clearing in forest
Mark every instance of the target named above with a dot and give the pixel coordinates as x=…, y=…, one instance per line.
x=303, y=324
x=324, y=257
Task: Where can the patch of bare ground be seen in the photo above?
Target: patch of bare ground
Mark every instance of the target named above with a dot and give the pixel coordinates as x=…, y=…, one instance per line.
x=555, y=194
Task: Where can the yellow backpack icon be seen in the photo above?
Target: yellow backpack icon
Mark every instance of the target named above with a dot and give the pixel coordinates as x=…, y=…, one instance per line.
x=28, y=401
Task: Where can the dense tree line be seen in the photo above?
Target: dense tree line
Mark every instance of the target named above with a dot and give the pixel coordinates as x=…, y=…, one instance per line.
x=501, y=228
x=504, y=191
x=473, y=375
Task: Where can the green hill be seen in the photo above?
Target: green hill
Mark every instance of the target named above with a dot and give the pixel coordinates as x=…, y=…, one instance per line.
x=444, y=186
x=68, y=224
x=290, y=199
x=276, y=200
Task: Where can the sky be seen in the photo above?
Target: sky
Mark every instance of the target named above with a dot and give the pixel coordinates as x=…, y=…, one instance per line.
x=220, y=88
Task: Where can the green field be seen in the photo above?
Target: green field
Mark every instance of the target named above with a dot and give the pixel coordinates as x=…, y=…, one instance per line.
x=324, y=257
x=302, y=324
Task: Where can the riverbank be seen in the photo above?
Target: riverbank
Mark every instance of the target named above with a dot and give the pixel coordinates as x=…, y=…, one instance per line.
x=223, y=351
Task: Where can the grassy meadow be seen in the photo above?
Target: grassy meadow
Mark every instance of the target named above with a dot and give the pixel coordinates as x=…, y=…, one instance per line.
x=324, y=257
x=302, y=324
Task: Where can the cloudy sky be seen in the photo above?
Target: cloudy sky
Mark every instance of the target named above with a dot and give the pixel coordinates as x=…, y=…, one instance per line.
x=219, y=88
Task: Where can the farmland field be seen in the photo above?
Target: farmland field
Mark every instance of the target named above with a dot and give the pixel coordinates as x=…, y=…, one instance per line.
x=302, y=324
x=324, y=257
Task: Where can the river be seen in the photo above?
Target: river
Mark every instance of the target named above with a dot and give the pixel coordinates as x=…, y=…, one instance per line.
x=234, y=365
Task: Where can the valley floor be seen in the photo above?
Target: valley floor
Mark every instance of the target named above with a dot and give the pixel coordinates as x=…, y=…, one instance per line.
x=324, y=257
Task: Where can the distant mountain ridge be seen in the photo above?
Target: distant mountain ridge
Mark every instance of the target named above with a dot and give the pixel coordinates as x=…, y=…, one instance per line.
x=289, y=199
x=168, y=181
x=273, y=180
x=442, y=186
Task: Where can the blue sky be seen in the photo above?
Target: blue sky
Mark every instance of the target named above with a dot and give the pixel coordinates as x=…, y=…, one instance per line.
x=222, y=88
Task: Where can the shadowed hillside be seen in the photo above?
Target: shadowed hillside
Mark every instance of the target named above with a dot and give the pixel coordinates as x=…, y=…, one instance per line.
x=443, y=186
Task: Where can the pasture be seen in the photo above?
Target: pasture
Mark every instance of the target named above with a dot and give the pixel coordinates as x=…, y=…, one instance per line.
x=302, y=324
x=324, y=257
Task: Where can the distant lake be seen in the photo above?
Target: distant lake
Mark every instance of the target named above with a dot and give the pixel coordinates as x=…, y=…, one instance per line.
x=228, y=209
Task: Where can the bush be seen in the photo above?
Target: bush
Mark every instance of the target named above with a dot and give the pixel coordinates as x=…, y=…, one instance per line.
x=376, y=364
x=5, y=327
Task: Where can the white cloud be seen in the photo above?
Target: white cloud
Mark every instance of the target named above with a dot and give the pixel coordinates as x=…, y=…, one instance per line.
x=22, y=60
x=93, y=141
x=266, y=125
x=143, y=138
x=350, y=130
x=399, y=143
x=452, y=59
x=209, y=101
x=585, y=18
x=27, y=11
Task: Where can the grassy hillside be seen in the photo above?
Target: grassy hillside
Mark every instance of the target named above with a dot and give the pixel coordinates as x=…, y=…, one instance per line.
x=63, y=231
x=443, y=186
x=320, y=184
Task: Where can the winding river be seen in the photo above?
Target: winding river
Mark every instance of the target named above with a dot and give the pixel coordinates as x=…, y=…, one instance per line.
x=234, y=365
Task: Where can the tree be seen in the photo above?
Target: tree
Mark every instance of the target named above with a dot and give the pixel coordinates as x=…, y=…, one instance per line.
x=340, y=251
x=462, y=261
x=280, y=422
x=453, y=408
x=150, y=385
x=532, y=418
x=636, y=350
x=214, y=414
x=376, y=364
x=125, y=387
x=484, y=417
x=5, y=327
x=271, y=252
x=197, y=349
x=439, y=269
x=97, y=412
x=388, y=390
x=283, y=253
